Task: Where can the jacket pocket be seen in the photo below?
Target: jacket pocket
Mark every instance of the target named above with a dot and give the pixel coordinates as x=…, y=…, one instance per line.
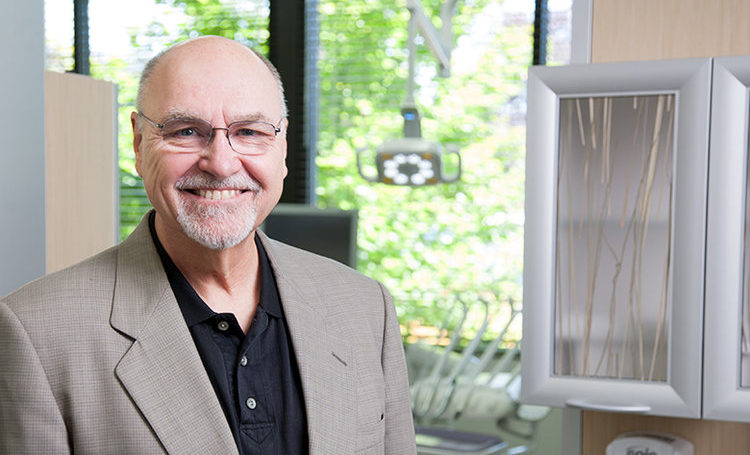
x=370, y=437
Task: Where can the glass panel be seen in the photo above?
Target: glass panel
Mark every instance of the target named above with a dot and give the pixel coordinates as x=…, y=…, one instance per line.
x=613, y=236
x=58, y=35
x=559, y=31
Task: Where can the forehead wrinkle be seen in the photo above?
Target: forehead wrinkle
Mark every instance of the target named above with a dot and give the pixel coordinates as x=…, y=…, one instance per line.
x=252, y=117
x=174, y=113
x=179, y=114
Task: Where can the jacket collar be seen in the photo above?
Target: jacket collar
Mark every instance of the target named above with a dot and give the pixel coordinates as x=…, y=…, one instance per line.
x=326, y=362
x=162, y=371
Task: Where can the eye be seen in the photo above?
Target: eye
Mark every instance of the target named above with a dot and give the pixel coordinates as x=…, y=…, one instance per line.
x=180, y=129
x=186, y=132
x=252, y=130
x=245, y=131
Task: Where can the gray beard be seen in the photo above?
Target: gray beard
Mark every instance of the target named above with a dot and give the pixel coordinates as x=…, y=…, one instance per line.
x=217, y=228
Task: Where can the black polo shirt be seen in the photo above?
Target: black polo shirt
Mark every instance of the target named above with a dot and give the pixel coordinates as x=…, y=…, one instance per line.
x=255, y=375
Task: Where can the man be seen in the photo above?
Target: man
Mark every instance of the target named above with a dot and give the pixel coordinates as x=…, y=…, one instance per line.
x=198, y=334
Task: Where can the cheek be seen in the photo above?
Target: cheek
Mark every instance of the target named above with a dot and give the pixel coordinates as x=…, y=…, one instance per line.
x=162, y=171
x=151, y=170
x=270, y=171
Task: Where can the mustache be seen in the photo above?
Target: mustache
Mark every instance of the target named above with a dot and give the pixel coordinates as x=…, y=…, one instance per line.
x=203, y=181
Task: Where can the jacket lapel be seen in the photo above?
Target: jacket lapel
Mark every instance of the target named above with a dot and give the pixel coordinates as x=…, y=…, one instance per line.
x=162, y=371
x=326, y=363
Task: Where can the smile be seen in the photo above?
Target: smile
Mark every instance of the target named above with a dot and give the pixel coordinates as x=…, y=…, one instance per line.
x=217, y=195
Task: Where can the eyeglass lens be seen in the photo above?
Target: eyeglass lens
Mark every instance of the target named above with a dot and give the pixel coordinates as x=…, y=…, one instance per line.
x=191, y=135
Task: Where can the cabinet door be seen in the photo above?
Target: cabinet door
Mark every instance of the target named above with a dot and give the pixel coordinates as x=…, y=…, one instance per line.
x=616, y=176
x=727, y=347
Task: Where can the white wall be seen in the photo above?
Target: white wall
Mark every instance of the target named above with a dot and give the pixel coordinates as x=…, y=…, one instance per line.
x=22, y=233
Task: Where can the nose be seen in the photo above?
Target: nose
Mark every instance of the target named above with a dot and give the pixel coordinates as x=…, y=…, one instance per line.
x=219, y=159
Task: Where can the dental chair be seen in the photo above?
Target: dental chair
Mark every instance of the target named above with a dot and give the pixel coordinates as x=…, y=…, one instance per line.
x=451, y=389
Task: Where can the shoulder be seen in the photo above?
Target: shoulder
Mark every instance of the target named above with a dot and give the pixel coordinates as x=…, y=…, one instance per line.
x=91, y=278
x=289, y=259
x=347, y=298
x=328, y=280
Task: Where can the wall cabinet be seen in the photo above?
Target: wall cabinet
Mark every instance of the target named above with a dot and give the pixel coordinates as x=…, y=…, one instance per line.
x=726, y=391
x=615, y=235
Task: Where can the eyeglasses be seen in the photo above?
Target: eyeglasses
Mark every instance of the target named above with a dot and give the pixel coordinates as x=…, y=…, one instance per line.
x=188, y=135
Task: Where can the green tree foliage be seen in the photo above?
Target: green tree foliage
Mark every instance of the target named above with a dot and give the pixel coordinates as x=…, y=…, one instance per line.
x=133, y=201
x=427, y=243
x=245, y=22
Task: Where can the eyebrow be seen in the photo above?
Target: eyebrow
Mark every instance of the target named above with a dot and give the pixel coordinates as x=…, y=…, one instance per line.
x=177, y=114
x=254, y=117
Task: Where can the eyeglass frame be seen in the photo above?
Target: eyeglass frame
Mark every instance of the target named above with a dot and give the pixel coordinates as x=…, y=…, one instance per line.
x=160, y=127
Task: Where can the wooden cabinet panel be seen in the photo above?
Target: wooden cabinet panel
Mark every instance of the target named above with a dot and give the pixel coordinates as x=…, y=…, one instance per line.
x=707, y=436
x=81, y=165
x=669, y=29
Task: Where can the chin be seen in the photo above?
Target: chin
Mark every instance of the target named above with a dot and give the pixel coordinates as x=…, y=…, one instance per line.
x=217, y=228
x=218, y=242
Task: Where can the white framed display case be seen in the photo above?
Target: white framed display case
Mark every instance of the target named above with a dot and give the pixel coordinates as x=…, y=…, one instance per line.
x=727, y=344
x=616, y=184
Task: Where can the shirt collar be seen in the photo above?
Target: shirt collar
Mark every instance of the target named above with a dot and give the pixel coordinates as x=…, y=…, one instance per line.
x=193, y=308
x=269, y=293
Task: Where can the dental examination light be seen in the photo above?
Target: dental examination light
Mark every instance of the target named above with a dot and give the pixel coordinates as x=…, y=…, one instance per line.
x=413, y=161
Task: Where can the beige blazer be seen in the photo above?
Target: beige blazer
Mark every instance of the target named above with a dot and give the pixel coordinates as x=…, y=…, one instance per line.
x=97, y=359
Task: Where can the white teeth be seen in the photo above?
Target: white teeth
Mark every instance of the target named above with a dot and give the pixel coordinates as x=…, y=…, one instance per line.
x=218, y=194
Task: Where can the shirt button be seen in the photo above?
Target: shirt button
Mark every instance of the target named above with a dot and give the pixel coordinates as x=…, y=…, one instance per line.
x=223, y=326
x=251, y=404
x=243, y=361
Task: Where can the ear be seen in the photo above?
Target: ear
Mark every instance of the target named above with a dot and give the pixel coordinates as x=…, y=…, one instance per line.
x=283, y=147
x=137, y=139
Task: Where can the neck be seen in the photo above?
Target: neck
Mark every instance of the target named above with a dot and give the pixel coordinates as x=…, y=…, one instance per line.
x=227, y=280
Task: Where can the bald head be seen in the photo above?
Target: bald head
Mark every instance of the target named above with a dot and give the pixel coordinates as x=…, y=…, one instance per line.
x=206, y=47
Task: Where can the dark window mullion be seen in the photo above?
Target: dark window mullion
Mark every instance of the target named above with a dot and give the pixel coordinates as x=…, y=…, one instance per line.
x=541, y=25
x=81, y=50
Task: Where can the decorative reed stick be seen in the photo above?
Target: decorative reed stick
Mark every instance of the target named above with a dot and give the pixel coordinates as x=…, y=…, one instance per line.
x=630, y=358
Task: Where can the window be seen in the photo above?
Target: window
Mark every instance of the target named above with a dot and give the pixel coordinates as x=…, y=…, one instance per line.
x=431, y=245
x=427, y=244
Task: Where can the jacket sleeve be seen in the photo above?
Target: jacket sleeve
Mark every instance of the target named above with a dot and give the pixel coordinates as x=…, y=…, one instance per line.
x=30, y=420
x=399, y=423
